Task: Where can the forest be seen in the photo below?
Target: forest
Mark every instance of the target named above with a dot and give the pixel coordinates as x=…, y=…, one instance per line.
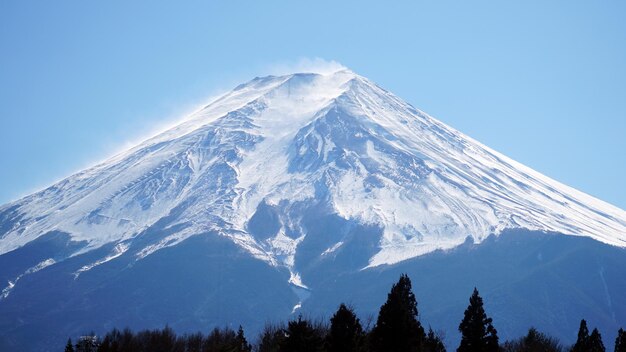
x=397, y=329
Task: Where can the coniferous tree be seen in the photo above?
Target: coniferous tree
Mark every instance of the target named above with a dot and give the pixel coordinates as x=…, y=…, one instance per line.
x=271, y=338
x=105, y=346
x=433, y=343
x=164, y=340
x=193, y=342
x=242, y=343
x=117, y=341
x=127, y=341
x=301, y=336
x=346, y=332
x=534, y=341
x=397, y=328
x=582, y=343
x=477, y=332
x=221, y=340
x=595, y=342
x=620, y=341
x=69, y=347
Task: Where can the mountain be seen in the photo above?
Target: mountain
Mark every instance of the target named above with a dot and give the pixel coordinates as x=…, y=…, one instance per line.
x=287, y=194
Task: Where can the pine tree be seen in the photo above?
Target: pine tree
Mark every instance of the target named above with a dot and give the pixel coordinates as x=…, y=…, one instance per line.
x=105, y=346
x=242, y=343
x=69, y=347
x=193, y=342
x=433, y=343
x=346, y=332
x=397, y=328
x=620, y=341
x=221, y=340
x=477, y=332
x=595, y=342
x=272, y=338
x=301, y=337
x=582, y=343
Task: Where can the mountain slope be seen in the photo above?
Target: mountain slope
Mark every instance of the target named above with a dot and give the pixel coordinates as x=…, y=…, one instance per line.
x=303, y=175
x=280, y=141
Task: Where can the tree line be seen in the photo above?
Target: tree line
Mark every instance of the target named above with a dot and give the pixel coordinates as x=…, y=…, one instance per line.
x=397, y=329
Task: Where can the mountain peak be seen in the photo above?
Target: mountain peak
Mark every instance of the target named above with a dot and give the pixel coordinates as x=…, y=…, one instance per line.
x=283, y=195
x=284, y=148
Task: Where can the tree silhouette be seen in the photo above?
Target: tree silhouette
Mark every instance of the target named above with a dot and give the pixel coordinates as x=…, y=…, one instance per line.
x=433, y=343
x=582, y=343
x=595, y=342
x=271, y=338
x=397, y=328
x=534, y=341
x=69, y=347
x=620, y=341
x=193, y=342
x=301, y=336
x=346, y=332
x=477, y=332
x=87, y=343
x=242, y=344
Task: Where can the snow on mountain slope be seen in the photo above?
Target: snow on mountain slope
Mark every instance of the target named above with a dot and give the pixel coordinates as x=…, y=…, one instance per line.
x=251, y=164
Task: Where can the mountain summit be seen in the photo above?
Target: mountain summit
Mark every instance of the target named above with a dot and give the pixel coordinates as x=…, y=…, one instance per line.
x=254, y=162
x=295, y=171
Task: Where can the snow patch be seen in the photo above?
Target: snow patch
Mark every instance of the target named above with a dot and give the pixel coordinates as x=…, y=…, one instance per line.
x=332, y=248
x=118, y=250
x=11, y=283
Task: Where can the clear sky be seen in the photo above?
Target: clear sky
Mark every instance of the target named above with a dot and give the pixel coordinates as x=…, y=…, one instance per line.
x=543, y=82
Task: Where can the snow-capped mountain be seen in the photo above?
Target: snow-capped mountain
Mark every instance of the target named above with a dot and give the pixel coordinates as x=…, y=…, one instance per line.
x=266, y=166
x=285, y=143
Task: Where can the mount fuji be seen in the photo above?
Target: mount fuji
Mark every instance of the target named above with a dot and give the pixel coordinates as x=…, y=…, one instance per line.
x=294, y=193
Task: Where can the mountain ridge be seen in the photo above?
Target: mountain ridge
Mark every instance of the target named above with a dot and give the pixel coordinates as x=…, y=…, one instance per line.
x=335, y=140
x=291, y=194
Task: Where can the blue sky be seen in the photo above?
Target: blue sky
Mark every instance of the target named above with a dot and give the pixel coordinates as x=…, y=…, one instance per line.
x=540, y=81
